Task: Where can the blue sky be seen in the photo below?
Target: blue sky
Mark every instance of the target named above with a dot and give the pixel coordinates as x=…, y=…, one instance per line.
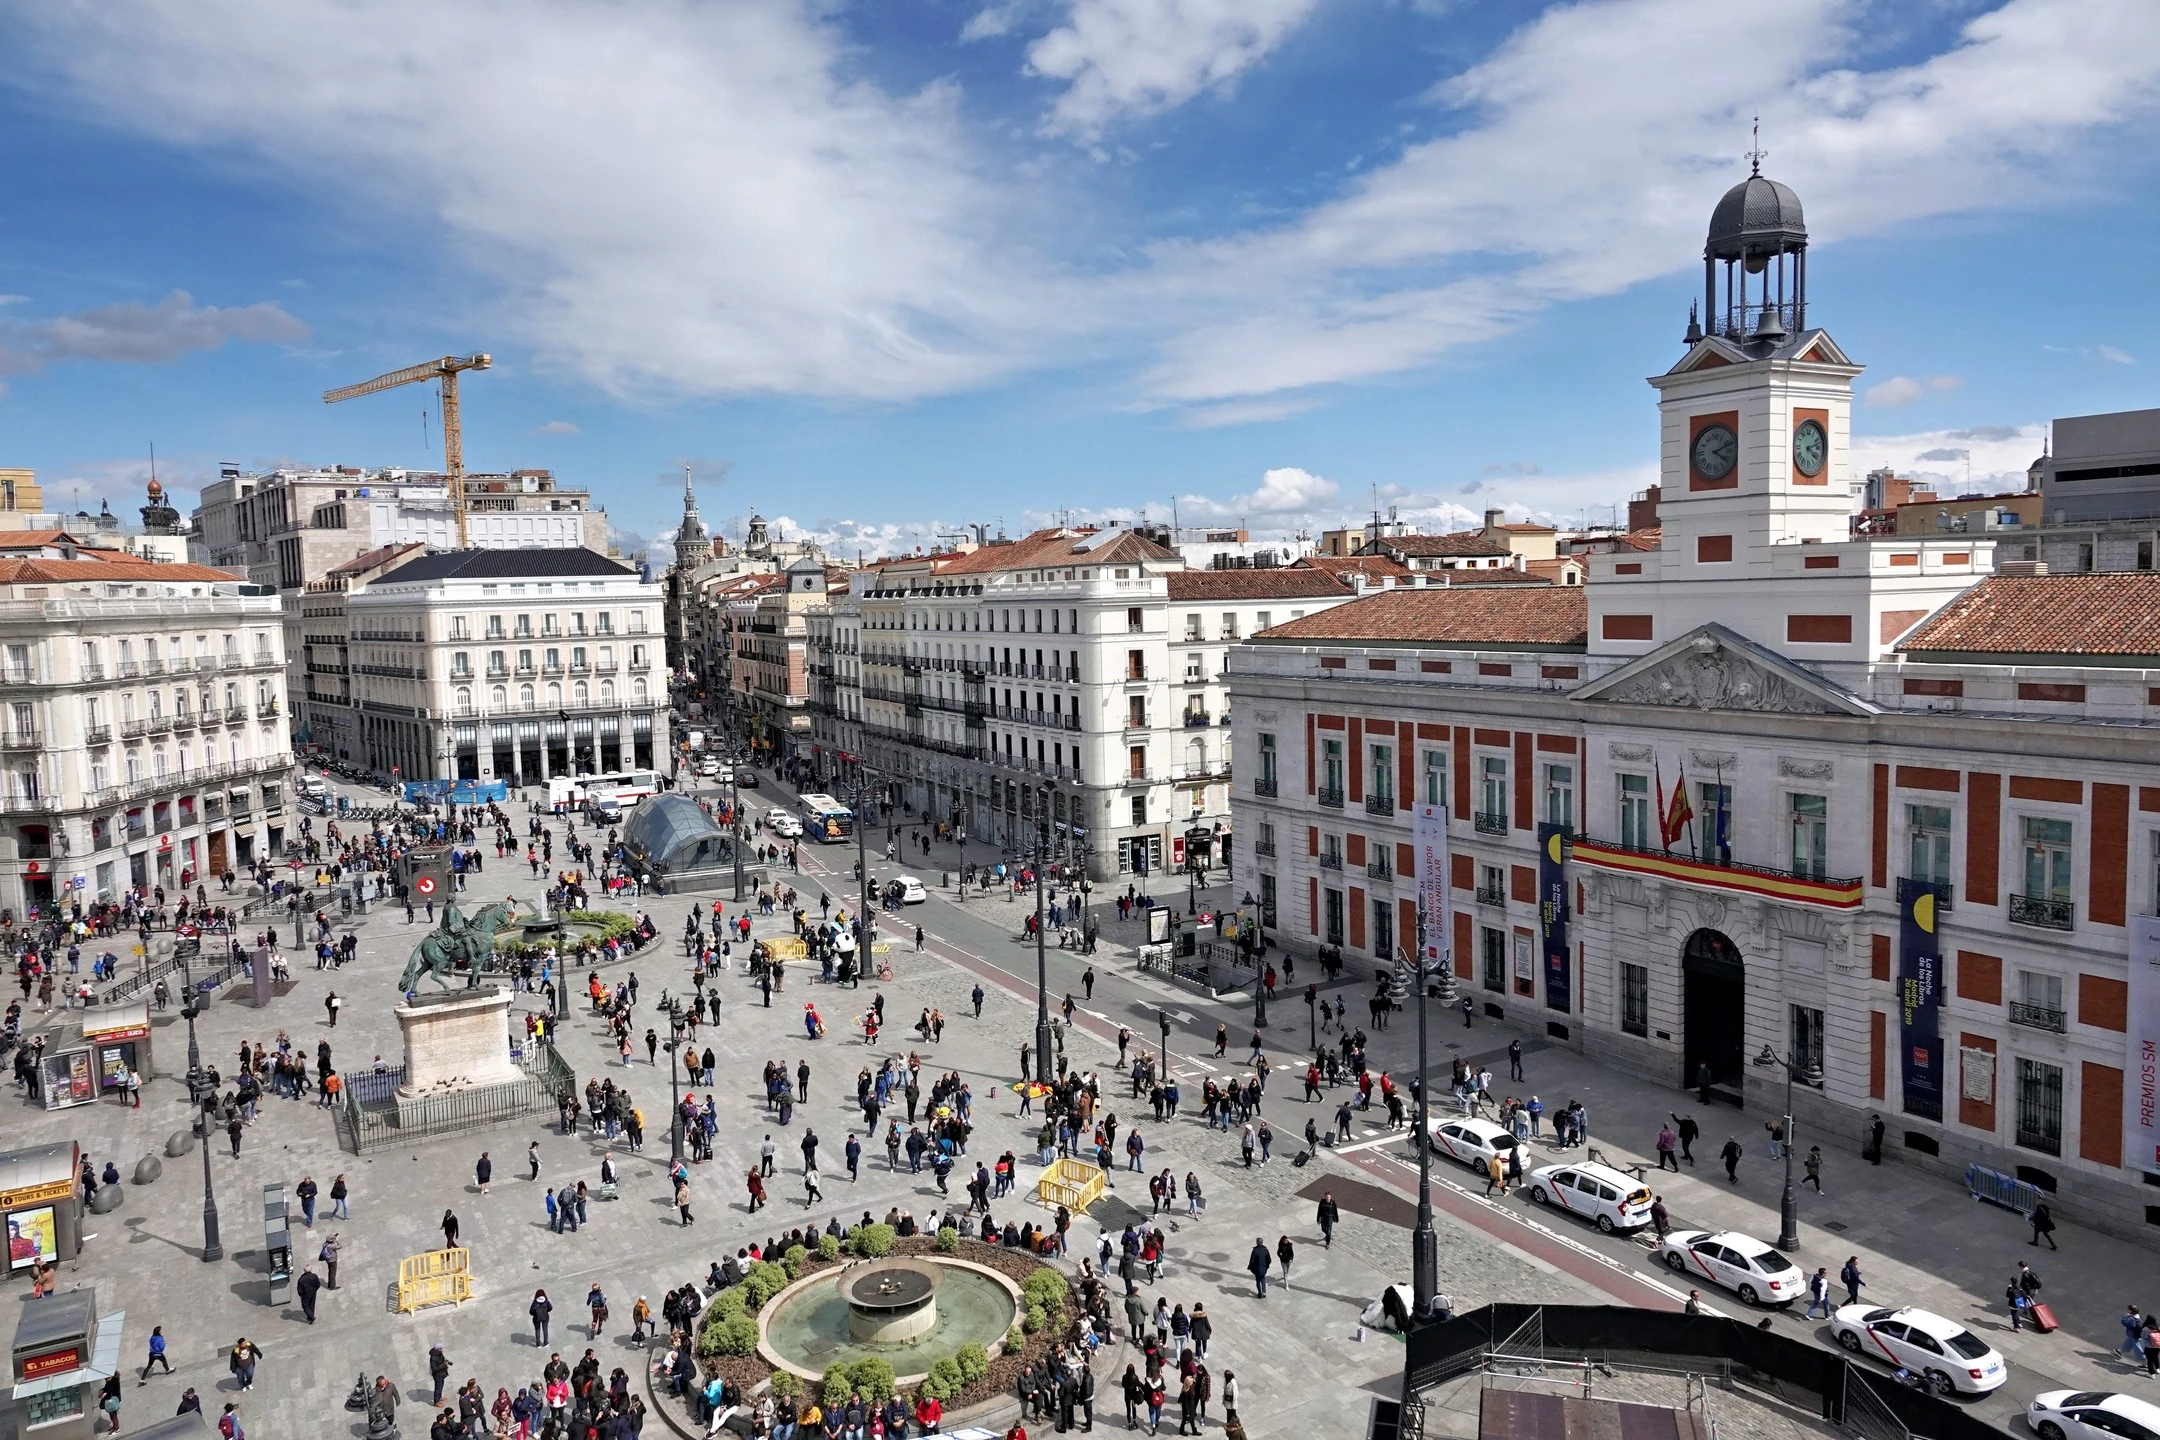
x=882, y=269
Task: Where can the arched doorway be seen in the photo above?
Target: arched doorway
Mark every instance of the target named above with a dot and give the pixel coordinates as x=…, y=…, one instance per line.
x=1713, y=1011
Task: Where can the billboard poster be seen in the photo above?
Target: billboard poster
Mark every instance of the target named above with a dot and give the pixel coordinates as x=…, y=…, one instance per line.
x=32, y=1236
x=1553, y=916
x=1920, y=1045
x=1428, y=833
x=2141, y=1058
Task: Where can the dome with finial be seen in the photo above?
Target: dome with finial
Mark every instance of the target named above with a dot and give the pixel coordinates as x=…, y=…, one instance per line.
x=1756, y=217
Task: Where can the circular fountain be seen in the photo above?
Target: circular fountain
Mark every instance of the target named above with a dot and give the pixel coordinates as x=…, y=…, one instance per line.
x=907, y=1311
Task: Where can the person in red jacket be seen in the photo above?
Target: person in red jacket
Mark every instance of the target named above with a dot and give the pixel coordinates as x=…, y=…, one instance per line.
x=928, y=1412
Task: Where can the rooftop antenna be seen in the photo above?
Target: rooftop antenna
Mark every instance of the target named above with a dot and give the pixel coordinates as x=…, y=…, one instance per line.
x=1756, y=154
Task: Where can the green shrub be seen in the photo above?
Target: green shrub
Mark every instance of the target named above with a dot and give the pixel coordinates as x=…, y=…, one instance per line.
x=793, y=1260
x=734, y=1335
x=1046, y=1288
x=730, y=1301
x=870, y=1377
x=1034, y=1319
x=972, y=1361
x=1014, y=1339
x=765, y=1280
x=785, y=1383
x=944, y=1380
x=948, y=1239
x=828, y=1247
x=873, y=1241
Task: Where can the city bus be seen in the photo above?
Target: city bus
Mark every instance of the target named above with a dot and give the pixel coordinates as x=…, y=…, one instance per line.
x=827, y=820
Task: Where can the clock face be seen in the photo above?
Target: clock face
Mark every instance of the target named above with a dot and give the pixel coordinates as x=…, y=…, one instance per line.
x=1810, y=448
x=1717, y=450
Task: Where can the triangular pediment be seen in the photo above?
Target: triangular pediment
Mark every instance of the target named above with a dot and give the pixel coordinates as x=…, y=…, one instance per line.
x=1713, y=668
x=1708, y=353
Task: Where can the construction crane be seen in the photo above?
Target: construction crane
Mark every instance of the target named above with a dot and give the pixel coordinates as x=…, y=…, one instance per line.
x=446, y=371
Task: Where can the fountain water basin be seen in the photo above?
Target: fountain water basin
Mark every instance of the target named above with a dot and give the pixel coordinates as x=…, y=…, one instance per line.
x=909, y=1312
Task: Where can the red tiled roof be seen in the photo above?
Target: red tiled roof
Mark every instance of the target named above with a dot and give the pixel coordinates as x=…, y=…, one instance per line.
x=1056, y=547
x=1431, y=547
x=2103, y=614
x=1372, y=567
x=18, y=570
x=381, y=554
x=1470, y=615
x=1283, y=584
x=1647, y=539
x=1505, y=575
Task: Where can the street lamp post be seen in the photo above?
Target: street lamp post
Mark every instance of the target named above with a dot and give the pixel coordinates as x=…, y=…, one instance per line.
x=1312, y=1017
x=1162, y=1019
x=734, y=805
x=674, y=1049
x=1042, y=958
x=1789, y=1202
x=862, y=868
x=1424, y=1243
x=199, y=1092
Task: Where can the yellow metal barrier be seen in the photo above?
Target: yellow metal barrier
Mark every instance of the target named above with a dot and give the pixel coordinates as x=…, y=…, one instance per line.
x=1075, y=1184
x=435, y=1278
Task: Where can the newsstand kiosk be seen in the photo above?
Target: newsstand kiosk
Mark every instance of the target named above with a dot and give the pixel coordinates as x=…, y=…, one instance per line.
x=63, y=1354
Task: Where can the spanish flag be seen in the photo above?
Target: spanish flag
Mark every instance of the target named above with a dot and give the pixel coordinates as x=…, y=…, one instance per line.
x=1678, y=812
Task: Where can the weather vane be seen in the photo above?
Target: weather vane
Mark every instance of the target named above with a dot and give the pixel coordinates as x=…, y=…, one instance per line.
x=1757, y=155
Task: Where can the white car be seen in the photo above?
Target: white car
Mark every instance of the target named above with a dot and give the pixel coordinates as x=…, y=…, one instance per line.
x=1609, y=1199
x=911, y=889
x=1470, y=1140
x=1755, y=1272
x=787, y=827
x=2093, y=1415
x=1924, y=1343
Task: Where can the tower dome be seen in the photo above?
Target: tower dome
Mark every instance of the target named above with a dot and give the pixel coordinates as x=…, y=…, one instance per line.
x=1757, y=218
x=1759, y=236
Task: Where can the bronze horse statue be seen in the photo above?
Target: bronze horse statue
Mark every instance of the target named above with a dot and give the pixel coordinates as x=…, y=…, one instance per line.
x=457, y=941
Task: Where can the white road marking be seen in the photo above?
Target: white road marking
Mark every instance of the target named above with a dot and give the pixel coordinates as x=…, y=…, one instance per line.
x=1369, y=1144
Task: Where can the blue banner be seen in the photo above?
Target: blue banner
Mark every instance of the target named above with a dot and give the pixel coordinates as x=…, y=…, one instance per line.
x=1553, y=916
x=458, y=792
x=1920, y=997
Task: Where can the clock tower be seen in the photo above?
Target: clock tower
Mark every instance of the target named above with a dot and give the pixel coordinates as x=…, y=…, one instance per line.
x=1756, y=496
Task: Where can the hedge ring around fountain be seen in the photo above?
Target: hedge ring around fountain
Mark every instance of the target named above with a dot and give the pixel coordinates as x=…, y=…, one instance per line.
x=910, y=1312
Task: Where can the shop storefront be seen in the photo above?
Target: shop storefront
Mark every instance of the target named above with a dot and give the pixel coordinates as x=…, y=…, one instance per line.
x=40, y=1205
x=65, y=1077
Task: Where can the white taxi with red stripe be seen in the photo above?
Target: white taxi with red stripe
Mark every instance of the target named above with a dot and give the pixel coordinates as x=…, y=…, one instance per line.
x=1472, y=1141
x=1922, y=1342
x=1610, y=1199
x=1751, y=1269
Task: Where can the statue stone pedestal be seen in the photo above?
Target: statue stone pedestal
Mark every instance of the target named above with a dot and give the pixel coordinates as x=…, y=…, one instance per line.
x=455, y=1041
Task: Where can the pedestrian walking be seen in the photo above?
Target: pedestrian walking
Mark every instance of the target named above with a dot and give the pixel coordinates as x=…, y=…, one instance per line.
x=438, y=1369
x=1668, y=1142
x=1689, y=1132
x=305, y=1192
x=1818, y=1289
x=540, y=1310
x=246, y=1354
x=1872, y=1151
x=1660, y=1217
x=1326, y=1215
x=450, y=1229
x=1850, y=1277
x=1813, y=1166
x=1285, y=1252
x=682, y=1200
x=1514, y=1059
x=156, y=1354
x=339, y=1193
x=329, y=1257
x=308, y=1286
x=483, y=1171
x=532, y=1160
x=1731, y=1156
x=596, y=1307
x=2133, y=1337
x=1258, y=1263
x=332, y=1004
x=2042, y=1220
x=2018, y=1301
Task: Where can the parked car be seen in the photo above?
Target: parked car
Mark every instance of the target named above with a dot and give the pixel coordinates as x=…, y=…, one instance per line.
x=907, y=889
x=2093, y=1415
x=1610, y=1199
x=1928, y=1345
x=1471, y=1140
x=1748, y=1267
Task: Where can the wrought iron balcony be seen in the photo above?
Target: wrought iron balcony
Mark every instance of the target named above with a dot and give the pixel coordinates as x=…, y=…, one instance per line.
x=1331, y=860
x=2039, y=1017
x=1488, y=822
x=2043, y=912
x=1264, y=847
x=97, y=735
x=1264, y=785
x=1494, y=895
x=1330, y=799
x=1379, y=804
x=1380, y=868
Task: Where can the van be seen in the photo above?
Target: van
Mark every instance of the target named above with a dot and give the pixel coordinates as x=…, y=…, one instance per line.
x=1610, y=1199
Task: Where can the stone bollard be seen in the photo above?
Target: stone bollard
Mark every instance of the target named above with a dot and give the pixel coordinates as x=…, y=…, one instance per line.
x=107, y=1199
x=149, y=1168
x=179, y=1143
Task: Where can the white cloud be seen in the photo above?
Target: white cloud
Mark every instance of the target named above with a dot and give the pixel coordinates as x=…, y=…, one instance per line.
x=1123, y=59
x=1904, y=389
x=676, y=198
x=992, y=22
x=1549, y=189
x=2114, y=356
x=558, y=427
x=1286, y=490
x=1245, y=412
x=136, y=334
x=1995, y=456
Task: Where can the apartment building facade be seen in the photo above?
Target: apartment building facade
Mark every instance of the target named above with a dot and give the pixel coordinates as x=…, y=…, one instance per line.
x=144, y=736
x=512, y=665
x=1764, y=794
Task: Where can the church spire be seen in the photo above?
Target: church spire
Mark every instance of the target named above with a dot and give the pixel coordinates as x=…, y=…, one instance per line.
x=692, y=546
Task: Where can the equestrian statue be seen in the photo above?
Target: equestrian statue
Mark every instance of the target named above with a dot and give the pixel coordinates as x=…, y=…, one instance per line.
x=457, y=943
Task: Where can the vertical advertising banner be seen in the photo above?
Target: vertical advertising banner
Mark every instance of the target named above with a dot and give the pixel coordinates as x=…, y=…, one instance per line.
x=2141, y=1058
x=1428, y=832
x=1553, y=915
x=1920, y=1043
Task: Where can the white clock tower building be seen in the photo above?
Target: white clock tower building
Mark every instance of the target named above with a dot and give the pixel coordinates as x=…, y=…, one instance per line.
x=1756, y=499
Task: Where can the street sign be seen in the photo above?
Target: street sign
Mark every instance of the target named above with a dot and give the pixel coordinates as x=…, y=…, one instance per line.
x=425, y=886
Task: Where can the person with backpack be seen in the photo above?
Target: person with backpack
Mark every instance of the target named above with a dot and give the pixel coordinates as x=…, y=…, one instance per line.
x=228, y=1425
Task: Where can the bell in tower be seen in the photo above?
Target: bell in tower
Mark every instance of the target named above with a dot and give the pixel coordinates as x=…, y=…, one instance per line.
x=1758, y=237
